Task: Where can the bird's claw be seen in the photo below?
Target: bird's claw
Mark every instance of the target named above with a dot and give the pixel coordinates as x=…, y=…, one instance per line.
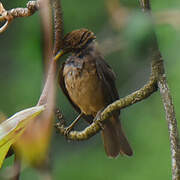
x=59, y=114
x=100, y=125
x=96, y=119
x=59, y=127
x=67, y=131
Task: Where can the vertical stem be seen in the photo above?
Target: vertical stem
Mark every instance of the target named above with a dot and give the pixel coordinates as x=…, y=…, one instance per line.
x=167, y=102
x=172, y=125
x=58, y=26
x=16, y=168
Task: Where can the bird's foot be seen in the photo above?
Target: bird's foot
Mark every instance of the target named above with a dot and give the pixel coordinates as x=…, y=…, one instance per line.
x=60, y=127
x=96, y=119
x=67, y=130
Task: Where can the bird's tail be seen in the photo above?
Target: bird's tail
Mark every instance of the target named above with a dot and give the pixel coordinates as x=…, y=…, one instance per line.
x=115, y=141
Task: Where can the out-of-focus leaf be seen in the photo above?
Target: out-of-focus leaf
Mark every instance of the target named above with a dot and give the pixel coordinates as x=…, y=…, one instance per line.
x=33, y=145
x=4, y=151
x=2, y=117
x=12, y=128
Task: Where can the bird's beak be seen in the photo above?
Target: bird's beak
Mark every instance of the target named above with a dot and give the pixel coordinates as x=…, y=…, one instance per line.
x=59, y=54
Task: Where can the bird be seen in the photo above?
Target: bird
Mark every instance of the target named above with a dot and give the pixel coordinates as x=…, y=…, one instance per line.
x=89, y=84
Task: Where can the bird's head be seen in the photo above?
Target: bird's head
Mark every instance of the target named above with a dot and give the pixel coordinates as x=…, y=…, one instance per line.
x=76, y=41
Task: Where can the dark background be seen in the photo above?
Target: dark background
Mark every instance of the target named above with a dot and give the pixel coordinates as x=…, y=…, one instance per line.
x=21, y=81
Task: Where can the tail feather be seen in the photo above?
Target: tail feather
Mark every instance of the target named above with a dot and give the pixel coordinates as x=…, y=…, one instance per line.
x=111, y=144
x=125, y=147
x=115, y=141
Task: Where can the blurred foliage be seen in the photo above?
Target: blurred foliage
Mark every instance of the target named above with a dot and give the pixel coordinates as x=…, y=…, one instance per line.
x=13, y=128
x=21, y=79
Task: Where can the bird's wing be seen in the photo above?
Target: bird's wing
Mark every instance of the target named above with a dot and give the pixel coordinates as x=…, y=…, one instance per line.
x=107, y=77
x=89, y=119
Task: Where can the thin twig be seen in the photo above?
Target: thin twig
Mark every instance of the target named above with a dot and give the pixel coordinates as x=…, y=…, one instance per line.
x=4, y=27
x=168, y=106
x=9, y=15
x=31, y=8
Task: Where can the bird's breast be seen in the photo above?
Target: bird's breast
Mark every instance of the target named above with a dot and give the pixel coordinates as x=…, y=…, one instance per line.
x=84, y=87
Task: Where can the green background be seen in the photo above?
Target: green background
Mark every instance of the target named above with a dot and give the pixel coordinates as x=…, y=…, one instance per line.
x=21, y=81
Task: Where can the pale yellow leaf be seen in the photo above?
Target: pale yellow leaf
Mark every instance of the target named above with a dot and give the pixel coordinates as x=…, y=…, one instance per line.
x=12, y=128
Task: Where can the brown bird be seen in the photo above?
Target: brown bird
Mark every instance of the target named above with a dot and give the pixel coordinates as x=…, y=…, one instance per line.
x=89, y=84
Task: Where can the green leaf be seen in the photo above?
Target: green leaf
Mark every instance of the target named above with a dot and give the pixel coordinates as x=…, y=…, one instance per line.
x=12, y=128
